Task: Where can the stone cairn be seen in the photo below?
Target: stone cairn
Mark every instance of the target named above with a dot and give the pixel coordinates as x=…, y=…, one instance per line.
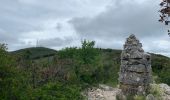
x=135, y=69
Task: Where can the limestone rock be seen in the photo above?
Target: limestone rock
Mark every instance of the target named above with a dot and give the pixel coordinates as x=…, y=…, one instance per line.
x=103, y=93
x=105, y=87
x=150, y=97
x=135, y=70
x=166, y=88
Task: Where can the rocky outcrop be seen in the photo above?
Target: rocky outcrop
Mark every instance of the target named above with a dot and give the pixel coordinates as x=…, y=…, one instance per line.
x=165, y=91
x=103, y=92
x=159, y=92
x=135, y=69
x=150, y=97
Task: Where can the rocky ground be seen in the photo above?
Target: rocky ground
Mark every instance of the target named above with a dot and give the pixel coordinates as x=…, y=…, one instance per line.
x=104, y=92
x=165, y=91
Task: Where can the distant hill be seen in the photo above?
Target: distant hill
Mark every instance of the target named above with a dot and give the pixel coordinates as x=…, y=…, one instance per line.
x=112, y=54
x=36, y=52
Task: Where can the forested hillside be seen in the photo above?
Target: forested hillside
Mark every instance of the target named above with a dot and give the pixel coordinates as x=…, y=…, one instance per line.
x=45, y=74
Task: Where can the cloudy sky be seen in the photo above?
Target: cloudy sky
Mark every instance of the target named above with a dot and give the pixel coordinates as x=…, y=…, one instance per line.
x=61, y=23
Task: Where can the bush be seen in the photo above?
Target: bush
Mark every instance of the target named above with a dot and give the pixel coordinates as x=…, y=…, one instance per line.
x=139, y=97
x=8, y=75
x=58, y=91
x=156, y=91
x=86, y=61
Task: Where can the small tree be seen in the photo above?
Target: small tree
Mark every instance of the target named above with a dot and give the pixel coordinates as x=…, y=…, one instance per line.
x=88, y=52
x=88, y=62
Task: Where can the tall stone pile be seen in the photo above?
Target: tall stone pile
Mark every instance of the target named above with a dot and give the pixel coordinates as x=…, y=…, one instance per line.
x=135, y=69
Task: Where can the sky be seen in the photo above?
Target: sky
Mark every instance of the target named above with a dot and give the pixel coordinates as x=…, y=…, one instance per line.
x=58, y=24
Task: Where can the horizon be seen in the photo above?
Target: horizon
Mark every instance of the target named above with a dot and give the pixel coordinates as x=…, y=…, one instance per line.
x=95, y=47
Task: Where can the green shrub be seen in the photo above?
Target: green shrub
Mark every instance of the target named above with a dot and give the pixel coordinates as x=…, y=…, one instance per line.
x=156, y=91
x=58, y=91
x=139, y=97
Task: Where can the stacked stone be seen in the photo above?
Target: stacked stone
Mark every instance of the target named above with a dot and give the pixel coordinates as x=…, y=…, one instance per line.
x=135, y=69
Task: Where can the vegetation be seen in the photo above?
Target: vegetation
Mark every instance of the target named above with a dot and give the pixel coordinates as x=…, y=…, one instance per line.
x=138, y=97
x=160, y=67
x=45, y=74
x=156, y=91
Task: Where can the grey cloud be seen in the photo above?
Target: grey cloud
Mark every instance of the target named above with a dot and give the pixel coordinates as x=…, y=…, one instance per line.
x=120, y=20
x=55, y=42
x=108, y=22
x=7, y=37
x=111, y=27
x=19, y=17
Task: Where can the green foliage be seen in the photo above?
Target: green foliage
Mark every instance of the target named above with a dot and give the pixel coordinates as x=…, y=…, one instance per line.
x=160, y=67
x=92, y=65
x=80, y=67
x=68, y=53
x=87, y=61
x=53, y=91
x=111, y=64
x=9, y=75
x=130, y=97
x=88, y=53
x=156, y=91
x=57, y=91
x=45, y=74
x=139, y=97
